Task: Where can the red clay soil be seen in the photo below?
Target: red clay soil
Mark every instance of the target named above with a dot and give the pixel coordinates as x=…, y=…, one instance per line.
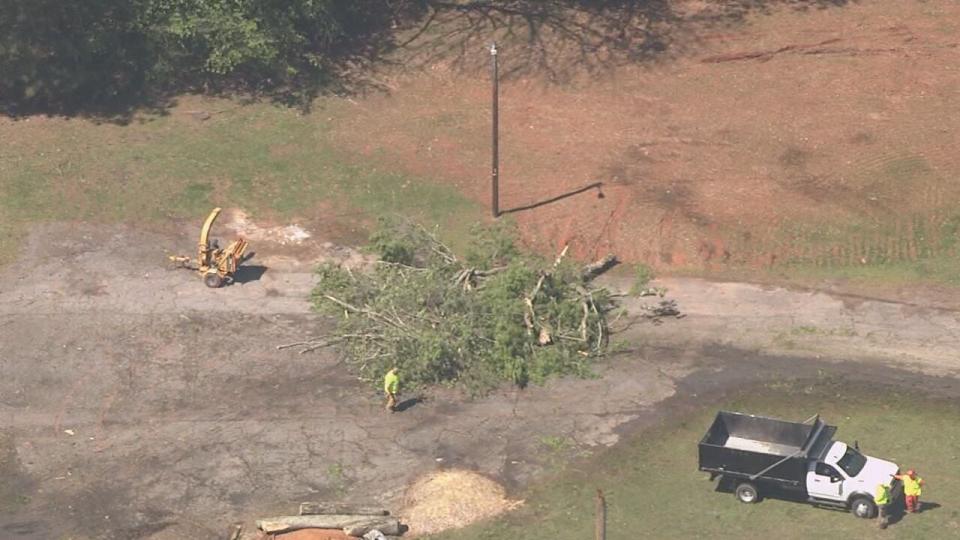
x=741, y=148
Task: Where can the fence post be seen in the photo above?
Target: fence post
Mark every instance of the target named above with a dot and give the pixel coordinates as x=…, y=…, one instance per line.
x=601, y=516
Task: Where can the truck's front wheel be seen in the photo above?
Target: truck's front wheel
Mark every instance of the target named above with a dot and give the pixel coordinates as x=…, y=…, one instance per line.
x=747, y=493
x=863, y=507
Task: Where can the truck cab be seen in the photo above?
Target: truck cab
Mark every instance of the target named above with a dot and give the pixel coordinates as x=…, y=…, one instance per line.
x=844, y=473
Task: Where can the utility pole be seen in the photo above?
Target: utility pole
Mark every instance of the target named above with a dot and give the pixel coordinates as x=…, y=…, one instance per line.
x=495, y=170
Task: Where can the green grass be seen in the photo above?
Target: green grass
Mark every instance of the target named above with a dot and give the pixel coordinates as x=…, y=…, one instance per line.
x=336, y=477
x=271, y=161
x=654, y=490
x=882, y=234
x=918, y=248
x=938, y=270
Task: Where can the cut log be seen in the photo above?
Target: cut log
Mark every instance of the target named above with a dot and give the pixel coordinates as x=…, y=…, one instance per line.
x=309, y=534
x=594, y=269
x=315, y=508
x=385, y=528
x=387, y=525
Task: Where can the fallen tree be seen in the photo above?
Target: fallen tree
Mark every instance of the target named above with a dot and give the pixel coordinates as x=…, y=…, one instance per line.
x=496, y=314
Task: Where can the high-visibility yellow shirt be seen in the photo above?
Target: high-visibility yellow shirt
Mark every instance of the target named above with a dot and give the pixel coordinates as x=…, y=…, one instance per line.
x=391, y=383
x=911, y=486
x=883, y=495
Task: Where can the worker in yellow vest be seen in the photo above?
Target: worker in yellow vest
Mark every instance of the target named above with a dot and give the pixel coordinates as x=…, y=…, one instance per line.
x=911, y=489
x=391, y=387
x=882, y=499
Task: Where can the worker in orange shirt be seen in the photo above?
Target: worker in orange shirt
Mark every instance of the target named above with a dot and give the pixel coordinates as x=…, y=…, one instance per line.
x=912, y=485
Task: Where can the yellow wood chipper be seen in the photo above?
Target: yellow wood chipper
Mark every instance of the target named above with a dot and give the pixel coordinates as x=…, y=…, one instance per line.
x=215, y=265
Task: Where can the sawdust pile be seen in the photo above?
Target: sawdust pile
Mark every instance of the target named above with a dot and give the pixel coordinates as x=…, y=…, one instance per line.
x=452, y=499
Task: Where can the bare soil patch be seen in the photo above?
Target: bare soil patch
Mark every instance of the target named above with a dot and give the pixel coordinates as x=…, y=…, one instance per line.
x=159, y=408
x=813, y=136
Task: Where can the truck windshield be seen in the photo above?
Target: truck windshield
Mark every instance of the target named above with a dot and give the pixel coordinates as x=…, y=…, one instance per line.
x=852, y=462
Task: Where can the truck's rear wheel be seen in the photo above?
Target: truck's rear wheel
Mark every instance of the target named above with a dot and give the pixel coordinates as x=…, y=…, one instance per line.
x=212, y=280
x=863, y=507
x=747, y=493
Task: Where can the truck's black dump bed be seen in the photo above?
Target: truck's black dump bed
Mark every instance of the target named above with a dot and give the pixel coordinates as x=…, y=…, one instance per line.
x=743, y=445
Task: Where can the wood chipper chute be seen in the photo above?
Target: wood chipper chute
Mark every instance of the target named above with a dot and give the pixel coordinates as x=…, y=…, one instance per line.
x=216, y=265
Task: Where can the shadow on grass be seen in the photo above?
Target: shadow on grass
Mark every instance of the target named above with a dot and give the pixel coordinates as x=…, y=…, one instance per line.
x=99, y=60
x=559, y=39
x=898, y=511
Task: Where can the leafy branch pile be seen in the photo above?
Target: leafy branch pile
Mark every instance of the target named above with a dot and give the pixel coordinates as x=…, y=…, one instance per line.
x=496, y=315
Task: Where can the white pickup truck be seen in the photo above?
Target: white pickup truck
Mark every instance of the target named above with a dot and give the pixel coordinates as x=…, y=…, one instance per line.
x=767, y=456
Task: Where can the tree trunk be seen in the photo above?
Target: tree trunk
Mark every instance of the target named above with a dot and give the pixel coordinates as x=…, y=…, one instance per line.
x=387, y=525
x=594, y=269
x=314, y=508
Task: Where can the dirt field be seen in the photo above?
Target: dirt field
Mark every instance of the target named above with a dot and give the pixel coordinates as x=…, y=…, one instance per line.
x=135, y=400
x=756, y=134
x=136, y=403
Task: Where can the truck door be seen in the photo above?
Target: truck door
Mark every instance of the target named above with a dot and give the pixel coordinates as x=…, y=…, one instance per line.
x=825, y=482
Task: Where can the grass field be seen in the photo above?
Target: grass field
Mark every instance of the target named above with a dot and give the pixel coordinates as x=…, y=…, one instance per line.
x=271, y=161
x=654, y=490
x=769, y=141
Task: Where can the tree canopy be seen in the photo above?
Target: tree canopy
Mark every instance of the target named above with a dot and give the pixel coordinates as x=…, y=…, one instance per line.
x=57, y=55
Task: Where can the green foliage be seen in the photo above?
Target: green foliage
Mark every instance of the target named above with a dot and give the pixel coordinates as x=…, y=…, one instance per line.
x=492, y=245
x=641, y=278
x=401, y=242
x=53, y=48
x=57, y=54
x=443, y=321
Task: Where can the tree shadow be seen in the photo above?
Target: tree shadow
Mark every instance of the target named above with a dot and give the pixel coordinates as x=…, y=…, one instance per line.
x=559, y=40
x=110, y=61
x=117, y=77
x=596, y=185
